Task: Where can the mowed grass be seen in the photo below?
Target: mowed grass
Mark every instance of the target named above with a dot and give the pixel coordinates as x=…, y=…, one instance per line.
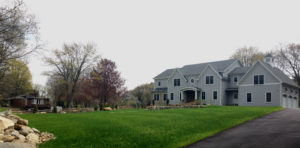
x=141, y=128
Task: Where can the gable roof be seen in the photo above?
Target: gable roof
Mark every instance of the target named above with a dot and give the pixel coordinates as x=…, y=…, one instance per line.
x=283, y=77
x=195, y=69
x=165, y=74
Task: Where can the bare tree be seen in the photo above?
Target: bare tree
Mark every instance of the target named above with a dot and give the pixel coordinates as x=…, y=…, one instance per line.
x=18, y=33
x=70, y=63
x=287, y=58
x=248, y=55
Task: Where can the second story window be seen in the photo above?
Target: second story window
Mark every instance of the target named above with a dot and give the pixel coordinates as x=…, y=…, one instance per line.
x=209, y=79
x=176, y=82
x=259, y=79
x=158, y=83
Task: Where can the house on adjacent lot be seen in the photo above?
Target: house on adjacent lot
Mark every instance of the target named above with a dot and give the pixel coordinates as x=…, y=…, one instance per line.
x=227, y=82
x=28, y=101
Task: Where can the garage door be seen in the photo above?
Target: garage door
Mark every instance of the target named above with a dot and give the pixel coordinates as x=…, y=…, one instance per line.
x=284, y=102
x=295, y=103
x=290, y=103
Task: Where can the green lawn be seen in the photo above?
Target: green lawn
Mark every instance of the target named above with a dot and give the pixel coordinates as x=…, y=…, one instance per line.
x=141, y=128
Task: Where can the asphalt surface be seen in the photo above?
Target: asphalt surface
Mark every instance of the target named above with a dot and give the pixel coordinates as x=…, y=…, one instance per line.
x=277, y=130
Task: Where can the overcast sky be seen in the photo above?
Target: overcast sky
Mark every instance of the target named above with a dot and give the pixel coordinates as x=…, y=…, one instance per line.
x=146, y=37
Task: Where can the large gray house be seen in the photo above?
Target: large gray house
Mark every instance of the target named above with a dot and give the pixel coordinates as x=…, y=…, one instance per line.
x=227, y=82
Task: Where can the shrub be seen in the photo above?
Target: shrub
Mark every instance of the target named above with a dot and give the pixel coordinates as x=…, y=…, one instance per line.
x=101, y=106
x=35, y=109
x=95, y=107
x=54, y=109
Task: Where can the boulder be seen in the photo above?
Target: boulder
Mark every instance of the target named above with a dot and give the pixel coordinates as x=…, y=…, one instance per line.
x=5, y=123
x=22, y=122
x=14, y=118
x=7, y=138
x=18, y=127
x=107, y=108
x=16, y=145
x=35, y=130
x=25, y=130
x=19, y=139
x=46, y=137
x=32, y=138
x=15, y=133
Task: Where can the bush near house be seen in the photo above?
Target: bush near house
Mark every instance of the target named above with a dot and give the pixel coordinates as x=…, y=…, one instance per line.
x=140, y=127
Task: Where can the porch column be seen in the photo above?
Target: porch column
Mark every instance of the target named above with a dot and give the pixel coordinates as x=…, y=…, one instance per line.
x=196, y=94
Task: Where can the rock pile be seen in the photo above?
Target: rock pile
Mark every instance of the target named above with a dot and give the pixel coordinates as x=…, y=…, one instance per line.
x=14, y=129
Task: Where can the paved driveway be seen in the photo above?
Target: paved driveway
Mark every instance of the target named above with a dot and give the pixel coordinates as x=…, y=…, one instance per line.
x=277, y=130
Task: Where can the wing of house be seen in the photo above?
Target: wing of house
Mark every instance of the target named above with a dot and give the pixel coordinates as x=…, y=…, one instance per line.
x=227, y=82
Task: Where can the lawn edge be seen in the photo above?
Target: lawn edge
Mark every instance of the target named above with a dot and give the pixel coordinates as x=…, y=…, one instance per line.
x=220, y=132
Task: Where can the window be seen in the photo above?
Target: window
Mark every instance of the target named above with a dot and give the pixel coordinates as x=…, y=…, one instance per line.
x=180, y=96
x=158, y=83
x=235, y=96
x=176, y=82
x=249, y=97
x=165, y=97
x=209, y=79
x=215, y=95
x=268, y=97
x=172, y=96
x=259, y=79
x=203, y=95
x=235, y=79
x=192, y=80
x=156, y=97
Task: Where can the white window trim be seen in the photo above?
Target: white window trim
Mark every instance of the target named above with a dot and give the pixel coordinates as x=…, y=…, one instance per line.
x=171, y=96
x=266, y=97
x=209, y=79
x=202, y=95
x=258, y=79
x=213, y=94
x=247, y=97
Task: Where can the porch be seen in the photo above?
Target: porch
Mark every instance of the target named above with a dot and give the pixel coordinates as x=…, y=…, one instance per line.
x=232, y=96
x=190, y=94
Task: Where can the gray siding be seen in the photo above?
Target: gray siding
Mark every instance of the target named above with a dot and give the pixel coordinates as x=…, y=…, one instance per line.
x=210, y=88
x=258, y=92
x=176, y=89
x=258, y=69
x=259, y=95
